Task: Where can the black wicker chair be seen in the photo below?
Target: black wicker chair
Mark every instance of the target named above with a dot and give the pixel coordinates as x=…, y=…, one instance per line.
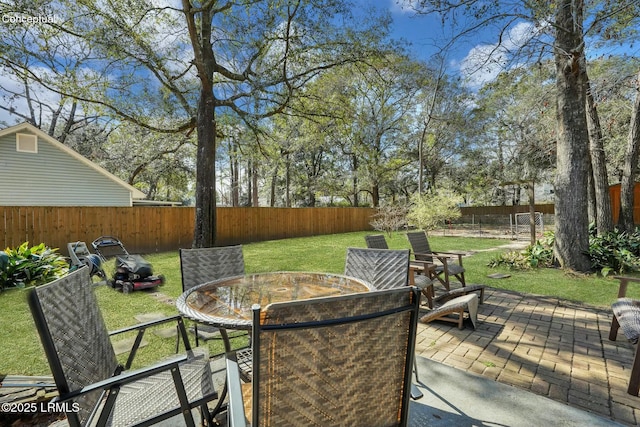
x=334, y=361
x=203, y=265
x=96, y=389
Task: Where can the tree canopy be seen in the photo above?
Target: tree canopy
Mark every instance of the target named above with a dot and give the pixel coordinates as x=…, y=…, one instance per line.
x=298, y=103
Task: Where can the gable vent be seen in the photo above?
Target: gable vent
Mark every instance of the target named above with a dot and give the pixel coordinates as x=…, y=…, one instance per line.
x=26, y=143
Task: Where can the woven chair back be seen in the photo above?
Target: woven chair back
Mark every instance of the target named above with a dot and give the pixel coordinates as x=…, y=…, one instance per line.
x=420, y=245
x=332, y=362
x=204, y=265
x=376, y=241
x=74, y=336
x=382, y=268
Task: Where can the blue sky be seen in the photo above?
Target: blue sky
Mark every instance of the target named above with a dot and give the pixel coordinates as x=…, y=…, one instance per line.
x=429, y=34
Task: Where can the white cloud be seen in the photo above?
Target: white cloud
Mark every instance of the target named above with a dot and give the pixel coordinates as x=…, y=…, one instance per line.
x=403, y=6
x=12, y=92
x=484, y=62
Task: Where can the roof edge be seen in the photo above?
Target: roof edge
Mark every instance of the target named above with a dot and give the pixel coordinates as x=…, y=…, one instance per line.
x=135, y=193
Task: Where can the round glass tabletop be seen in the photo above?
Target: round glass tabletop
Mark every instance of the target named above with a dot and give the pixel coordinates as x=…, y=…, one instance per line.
x=227, y=303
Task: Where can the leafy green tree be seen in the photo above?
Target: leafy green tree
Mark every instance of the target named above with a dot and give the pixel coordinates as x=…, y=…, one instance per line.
x=174, y=68
x=518, y=138
x=627, y=185
x=431, y=210
x=566, y=26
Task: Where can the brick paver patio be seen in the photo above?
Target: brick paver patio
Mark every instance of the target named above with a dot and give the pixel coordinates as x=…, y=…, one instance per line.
x=551, y=347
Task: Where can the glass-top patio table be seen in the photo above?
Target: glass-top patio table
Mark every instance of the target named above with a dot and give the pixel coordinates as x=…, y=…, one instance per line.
x=227, y=303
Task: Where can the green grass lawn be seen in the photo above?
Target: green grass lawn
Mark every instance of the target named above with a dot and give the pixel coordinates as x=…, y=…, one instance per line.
x=22, y=354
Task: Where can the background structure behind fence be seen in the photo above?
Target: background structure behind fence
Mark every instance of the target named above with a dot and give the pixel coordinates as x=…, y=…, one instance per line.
x=497, y=221
x=157, y=229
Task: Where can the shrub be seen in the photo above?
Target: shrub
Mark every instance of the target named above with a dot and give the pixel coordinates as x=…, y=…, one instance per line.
x=615, y=252
x=515, y=260
x=30, y=266
x=429, y=211
x=390, y=218
x=538, y=255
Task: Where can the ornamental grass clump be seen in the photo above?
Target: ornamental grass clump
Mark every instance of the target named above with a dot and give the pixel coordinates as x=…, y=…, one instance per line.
x=30, y=266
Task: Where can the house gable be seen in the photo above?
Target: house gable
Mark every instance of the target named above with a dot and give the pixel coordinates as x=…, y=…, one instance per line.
x=51, y=174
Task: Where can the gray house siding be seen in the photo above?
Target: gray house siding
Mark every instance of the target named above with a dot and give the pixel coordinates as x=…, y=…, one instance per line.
x=52, y=177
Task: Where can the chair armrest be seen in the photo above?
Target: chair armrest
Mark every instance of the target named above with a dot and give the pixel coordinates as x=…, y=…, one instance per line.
x=442, y=258
x=624, y=283
x=142, y=327
x=451, y=255
x=455, y=254
x=421, y=266
x=145, y=325
x=126, y=377
x=235, y=413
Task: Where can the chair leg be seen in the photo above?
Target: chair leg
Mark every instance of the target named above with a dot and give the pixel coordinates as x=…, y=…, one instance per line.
x=205, y=414
x=613, y=332
x=195, y=330
x=461, y=319
x=634, y=380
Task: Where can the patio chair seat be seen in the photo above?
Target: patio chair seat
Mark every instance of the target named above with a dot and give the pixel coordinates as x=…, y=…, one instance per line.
x=142, y=400
x=453, y=269
x=453, y=311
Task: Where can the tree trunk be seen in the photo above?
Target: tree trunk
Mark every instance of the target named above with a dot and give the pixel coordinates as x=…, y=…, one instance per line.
x=515, y=197
x=287, y=182
x=354, y=181
x=591, y=196
x=375, y=195
x=421, y=160
x=204, y=235
x=627, y=184
x=249, y=183
x=235, y=175
x=572, y=223
x=254, y=185
x=274, y=180
x=603, y=217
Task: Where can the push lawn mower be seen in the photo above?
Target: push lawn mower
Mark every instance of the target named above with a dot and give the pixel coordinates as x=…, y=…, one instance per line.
x=132, y=271
x=80, y=256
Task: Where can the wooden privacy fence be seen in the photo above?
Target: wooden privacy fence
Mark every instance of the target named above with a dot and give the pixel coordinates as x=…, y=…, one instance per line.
x=148, y=229
x=506, y=210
